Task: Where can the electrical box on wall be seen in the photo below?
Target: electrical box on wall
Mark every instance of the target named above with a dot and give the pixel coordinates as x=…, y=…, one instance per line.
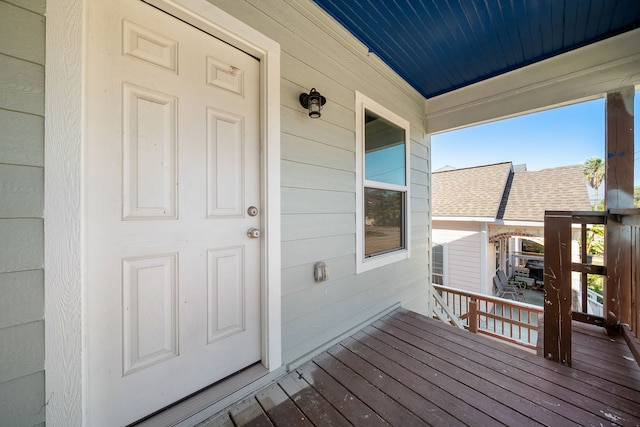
x=320, y=272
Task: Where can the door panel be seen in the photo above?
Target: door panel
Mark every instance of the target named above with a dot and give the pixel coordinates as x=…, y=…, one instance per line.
x=226, y=293
x=225, y=166
x=150, y=155
x=172, y=165
x=150, y=326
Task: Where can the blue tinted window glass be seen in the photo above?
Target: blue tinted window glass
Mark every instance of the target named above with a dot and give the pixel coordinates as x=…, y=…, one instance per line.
x=384, y=150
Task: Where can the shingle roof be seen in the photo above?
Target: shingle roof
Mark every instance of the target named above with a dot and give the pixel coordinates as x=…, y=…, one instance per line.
x=479, y=191
x=469, y=192
x=533, y=192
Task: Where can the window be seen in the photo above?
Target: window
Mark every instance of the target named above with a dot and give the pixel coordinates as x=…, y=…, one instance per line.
x=437, y=264
x=383, y=191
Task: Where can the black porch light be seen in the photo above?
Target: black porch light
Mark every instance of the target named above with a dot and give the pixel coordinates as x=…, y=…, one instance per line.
x=313, y=101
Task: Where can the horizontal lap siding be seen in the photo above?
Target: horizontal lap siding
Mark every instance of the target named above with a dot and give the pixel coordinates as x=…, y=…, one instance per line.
x=318, y=176
x=463, y=253
x=22, y=44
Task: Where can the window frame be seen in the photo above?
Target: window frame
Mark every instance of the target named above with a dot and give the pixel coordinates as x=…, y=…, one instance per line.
x=444, y=275
x=375, y=261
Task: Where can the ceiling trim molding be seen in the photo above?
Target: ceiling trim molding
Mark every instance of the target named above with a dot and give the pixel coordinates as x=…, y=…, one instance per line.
x=581, y=74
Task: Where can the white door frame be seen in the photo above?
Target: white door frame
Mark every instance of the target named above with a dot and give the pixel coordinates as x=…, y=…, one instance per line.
x=64, y=227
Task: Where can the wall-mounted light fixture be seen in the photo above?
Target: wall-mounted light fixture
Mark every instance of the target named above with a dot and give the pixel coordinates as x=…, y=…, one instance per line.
x=313, y=101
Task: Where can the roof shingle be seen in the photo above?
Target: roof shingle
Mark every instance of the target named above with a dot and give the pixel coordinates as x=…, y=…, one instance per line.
x=478, y=192
x=533, y=192
x=469, y=192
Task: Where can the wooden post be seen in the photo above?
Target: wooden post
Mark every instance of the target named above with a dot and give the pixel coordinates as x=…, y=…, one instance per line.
x=635, y=282
x=557, y=287
x=473, y=316
x=618, y=195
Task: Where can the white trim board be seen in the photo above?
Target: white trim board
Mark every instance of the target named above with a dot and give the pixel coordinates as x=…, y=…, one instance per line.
x=464, y=218
x=363, y=103
x=484, y=243
x=581, y=74
x=64, y=202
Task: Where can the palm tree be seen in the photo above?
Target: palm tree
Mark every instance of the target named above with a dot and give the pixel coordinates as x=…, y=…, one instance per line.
x=593, y=170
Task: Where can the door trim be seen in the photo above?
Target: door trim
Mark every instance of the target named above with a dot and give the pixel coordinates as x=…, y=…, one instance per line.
x=64, y=225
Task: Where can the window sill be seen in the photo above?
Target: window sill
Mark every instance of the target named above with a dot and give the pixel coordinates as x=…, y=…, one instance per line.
x=381, y=260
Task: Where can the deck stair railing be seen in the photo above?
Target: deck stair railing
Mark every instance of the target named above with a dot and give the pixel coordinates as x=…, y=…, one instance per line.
x=595, y=303
x=445, y=313
x=500, y=318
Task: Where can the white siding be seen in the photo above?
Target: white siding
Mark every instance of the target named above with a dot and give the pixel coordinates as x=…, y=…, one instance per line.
x=22, y=42
x=318, y=176
x=464, y=267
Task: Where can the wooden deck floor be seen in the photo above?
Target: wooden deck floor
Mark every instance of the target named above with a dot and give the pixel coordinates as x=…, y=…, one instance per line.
x=409, y=370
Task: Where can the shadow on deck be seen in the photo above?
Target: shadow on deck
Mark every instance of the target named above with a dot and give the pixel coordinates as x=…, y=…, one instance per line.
x=407, y=369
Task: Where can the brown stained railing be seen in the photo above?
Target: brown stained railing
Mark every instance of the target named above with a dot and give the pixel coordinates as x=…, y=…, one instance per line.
x=631, y=218
x=558, y=292
x=628, y=222
x=585, y=268
x=507, y=320
x=621, y=288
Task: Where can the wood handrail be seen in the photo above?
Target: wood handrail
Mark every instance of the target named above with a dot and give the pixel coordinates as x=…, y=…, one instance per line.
x=479, y=309
x=486, y=297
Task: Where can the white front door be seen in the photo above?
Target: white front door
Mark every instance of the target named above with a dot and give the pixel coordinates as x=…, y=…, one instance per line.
x=172, y=188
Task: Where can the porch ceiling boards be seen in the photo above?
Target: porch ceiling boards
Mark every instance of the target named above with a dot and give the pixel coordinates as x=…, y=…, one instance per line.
x=438, y=46
x=406, y=370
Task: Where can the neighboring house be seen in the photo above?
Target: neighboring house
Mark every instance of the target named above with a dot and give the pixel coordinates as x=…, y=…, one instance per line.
x=481, y=214
x=166, y=202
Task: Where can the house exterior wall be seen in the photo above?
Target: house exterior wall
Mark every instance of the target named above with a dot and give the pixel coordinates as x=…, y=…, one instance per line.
x=318, y=191
x=22, y=56
x=464, y=248
x=318, y=165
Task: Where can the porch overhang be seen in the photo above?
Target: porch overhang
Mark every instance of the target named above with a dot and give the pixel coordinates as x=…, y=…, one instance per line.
x=441, y=47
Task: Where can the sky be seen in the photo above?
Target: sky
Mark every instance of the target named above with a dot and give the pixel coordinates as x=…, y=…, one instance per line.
x=562, y=136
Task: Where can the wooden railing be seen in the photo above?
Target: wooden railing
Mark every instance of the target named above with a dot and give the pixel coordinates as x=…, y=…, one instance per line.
x=595, y=303
x=629, y=221
x=504, y=319
x=621, y=285
x=558, y=291
x=630, y=218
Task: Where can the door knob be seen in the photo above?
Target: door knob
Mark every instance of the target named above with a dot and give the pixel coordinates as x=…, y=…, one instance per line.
x=253, y=233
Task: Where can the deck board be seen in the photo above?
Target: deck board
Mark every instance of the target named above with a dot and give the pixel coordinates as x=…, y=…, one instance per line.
x=443, y=369
x=572, y=398
x=424, y=381
x=384, y=405
x=520, y=402
x=249, y=413
x=388, y=384
x=312, y=403
x=352, y=408
x=406, y=369
x=573, y=392
x=279, y=406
